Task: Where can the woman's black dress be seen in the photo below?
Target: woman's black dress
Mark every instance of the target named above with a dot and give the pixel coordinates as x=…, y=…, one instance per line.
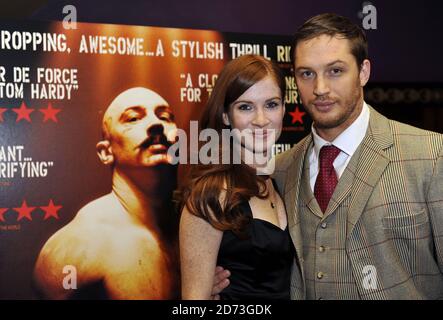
x=260, y=264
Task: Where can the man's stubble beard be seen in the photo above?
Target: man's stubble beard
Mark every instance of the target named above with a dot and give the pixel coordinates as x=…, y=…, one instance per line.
x=350, y=110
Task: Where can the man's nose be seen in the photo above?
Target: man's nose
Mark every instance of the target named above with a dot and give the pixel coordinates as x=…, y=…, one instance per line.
x=321, y=86
x=155, y=129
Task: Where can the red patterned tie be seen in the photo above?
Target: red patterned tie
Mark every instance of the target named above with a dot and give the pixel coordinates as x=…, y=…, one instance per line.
x=327, y=178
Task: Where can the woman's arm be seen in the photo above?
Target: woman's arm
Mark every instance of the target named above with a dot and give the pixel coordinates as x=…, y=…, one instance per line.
x=199, y=245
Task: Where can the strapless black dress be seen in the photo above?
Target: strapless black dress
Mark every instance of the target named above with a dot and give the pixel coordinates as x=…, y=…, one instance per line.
x=260, y=264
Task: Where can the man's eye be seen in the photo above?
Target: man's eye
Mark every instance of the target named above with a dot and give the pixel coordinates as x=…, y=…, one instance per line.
x=132, y=118
x=307, y=74
x=166, y=116
x=336, y=71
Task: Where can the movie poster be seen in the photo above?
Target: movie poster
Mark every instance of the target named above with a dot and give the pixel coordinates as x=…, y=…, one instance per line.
x=56, y=88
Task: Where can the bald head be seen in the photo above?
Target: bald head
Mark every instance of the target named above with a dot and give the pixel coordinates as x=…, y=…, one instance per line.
x=138, y=128
x=133, y=97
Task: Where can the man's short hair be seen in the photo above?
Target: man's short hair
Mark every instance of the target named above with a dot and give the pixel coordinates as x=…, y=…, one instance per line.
x=332, y=25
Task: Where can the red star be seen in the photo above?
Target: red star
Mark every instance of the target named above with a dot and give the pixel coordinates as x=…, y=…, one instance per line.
x=23, y=112
x=50, y=113
x=2, y=212
x=24, y=211
x=297, y=115
x=2, y=110
x=51, y=210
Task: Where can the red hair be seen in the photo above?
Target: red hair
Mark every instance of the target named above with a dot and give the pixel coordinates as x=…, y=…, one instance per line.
x=214, y=192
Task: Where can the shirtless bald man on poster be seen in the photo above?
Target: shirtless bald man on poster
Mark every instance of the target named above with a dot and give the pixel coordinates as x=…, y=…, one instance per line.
x=123, y=245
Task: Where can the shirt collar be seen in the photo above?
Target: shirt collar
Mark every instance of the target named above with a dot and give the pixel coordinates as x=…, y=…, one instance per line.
x=349, y=140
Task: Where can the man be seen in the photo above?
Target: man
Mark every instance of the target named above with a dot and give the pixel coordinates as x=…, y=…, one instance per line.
x=122, y=245
x=363, y=193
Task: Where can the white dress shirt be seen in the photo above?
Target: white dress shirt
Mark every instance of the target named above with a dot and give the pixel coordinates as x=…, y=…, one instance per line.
x=348, y=141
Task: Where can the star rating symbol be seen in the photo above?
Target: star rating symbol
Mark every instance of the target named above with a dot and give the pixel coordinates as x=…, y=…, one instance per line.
x=297, y=115
x=50, y=113
x=51, y=210
x=24, y=211
x=23, y=112
x=2, y=214
x=2, y=110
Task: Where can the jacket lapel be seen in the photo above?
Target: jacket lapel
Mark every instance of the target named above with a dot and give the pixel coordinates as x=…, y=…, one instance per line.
x=367, y=169
x=306, y=193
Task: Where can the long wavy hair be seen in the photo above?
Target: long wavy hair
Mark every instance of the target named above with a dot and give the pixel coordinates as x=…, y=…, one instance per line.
x=215, y=191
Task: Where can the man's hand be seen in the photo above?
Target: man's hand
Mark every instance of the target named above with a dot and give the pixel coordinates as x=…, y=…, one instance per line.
x=221, y=281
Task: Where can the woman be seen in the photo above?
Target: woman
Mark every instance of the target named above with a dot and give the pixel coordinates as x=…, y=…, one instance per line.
x=231, y=216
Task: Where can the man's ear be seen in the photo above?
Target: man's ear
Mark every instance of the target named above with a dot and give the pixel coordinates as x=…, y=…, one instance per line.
x=226, y=119
x=104, y=152
x=365, y=72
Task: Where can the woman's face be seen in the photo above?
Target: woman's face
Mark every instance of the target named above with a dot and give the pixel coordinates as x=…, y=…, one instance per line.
x=258, y=115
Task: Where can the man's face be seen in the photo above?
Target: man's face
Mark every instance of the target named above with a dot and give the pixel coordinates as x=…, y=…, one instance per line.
x=140, y=128
x=330, y=83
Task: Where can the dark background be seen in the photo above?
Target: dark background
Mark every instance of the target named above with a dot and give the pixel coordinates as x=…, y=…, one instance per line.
x=407, y=45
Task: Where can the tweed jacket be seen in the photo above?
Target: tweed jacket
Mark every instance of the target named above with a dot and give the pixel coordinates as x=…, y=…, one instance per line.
x=394, y=221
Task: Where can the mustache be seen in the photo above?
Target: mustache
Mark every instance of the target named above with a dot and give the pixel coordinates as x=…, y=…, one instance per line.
x=323, y=99
x=155, y=139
